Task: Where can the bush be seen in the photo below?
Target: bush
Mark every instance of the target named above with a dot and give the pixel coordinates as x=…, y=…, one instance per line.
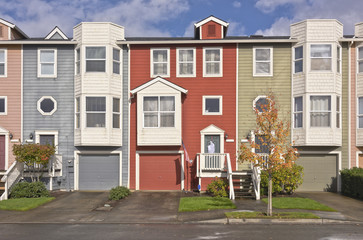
x=285, y=180
x=352, y=182
x=218, y=188
x=118, y=193
x=29, y=190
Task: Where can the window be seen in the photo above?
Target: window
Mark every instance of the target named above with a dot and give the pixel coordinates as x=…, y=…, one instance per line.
x=360, y=112
x=261, y=142
x=212, y=105
x=47, y=105
x=116, y=113
x=78, y=61
x=95, y=59
x=298, y=59
x=339, y=59
x=320, y=55
x=47, y=63
x=116, y=61
x=212, y=62
x=320, y=110
x=160, y=62
x=262, y=64
x=260, y=104
x=186, y=62
x=47, y=137
x=78, y=113
x=96, y=111
x=338, y=112
x=2, y=62
x=298, y=112
x=159, y=111
x=360, y=59
x=3, y=105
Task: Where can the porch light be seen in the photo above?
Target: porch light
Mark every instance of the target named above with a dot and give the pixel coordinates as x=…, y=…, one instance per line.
x=11, y=136
x=31, y=136
x=226, y=136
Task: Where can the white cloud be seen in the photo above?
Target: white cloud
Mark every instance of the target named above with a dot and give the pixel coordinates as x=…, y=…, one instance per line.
x=348, y=12
x=237, y=4
x=189, y=31
x=236, y=29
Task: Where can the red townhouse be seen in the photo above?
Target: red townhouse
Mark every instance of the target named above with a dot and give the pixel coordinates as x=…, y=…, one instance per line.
x=182, y=91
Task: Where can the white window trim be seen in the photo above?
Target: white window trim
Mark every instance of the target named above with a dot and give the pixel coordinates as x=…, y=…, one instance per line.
x=40, y=75
x=270, y=74
x=205, y=74
x=212, y=130
x=117, y=113
x=358, y=115
x=115, y=61
x=331, y=57
x=177, y=63
x=359, y=60
x=297, y=112
x=331, y=110
x=41, y=111
x=47, y=132
x=75, y=112
x=5, y=62
x=85, y=111
x=220, y=105
x=296, y=60
x=5, y=105
x=152, y=62
x=158, y=111
x=85, y=59
x=339, y=60
x=338, y=112
x=77, y=61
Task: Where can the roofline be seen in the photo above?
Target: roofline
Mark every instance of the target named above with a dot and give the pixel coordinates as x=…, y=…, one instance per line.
x=55, y=30
x=140, y=42
x=155, y=80
x=45, y=42
x=211, y=18
x=115, y=24
x=13, y=26
x=317, y=20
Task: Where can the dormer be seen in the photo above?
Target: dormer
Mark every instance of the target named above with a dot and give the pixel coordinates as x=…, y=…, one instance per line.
x=9, y=31
x=210, y=28
x=56, y=34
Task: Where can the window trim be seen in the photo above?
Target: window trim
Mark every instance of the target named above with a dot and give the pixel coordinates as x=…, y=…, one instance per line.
x=219, y=97
x=270, y=74
x=298, y=112
x=5, y=62
x=47, y=132
x=331, y=57
x=105, y=112
x=152, y=74
x=177, y=62
x=298, y=59
x=338, y=112
x=55, y=66
x=359, y=115
x=96, y=59
x=77, y=100
x=116, y=113
x=158, y=111
x=5, y=105
x=205, y=74
x=77, y=62
x=40, y=109
x=339, y=60
x=359, y=60
x=329, y=111
x=116, y=61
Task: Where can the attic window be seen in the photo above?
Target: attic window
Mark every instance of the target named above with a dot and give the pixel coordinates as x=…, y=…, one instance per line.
x=211, y=30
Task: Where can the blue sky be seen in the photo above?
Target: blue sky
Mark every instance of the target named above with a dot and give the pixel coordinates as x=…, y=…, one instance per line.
x=175, y=18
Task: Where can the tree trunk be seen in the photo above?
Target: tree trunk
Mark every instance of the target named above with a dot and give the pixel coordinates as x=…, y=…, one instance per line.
x=269, y=205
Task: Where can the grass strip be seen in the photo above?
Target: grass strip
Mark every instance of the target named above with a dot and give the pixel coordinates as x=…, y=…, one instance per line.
x=23, y=204
x=280, y=215
x=298, y=203
x=193, y=204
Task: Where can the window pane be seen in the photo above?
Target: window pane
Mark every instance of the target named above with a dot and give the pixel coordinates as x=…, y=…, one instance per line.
x=212, y=68
x=95, y=104
x=47, y=105
x=320, y=119
x=78, y=120
x=361, y=66
x=212, y=105
x=47, y=56
x=298, y=52
x=261, y=142
x=167, y=119
x=185, y=68
x=185, y=55
x=298, y=104
x=160, y=55
x=261, y=104
x=360, y=53
x=361, y=122
x=262, y=55
x=151, y=104
x=78, y=105
x=298, y=66
x=78, y=55
x=360, y=103
x=47, y=69
x=96, y=119
x=116, y=54
x=116, y=67
x=116, y=121
x=150, y=120
x=160, y=68
x=95, y=52
x=212, y=144
x=116, y=105
x=2, y=56
x=167, y=104
x=2, y=105
x=298, y=120
x=321, y=64
x=2, y=69
x=262, y=67
x=95, y=66
x=212, y=55
x=46, y=139
x=320, y=103
x=320, y=51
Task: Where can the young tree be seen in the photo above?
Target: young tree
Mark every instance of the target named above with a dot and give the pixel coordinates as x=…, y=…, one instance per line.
x=273, y=136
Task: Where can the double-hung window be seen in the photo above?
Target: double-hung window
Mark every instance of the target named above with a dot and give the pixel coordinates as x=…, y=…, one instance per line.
x=78, y=113
x=96, y=111
x=116, y=61
x=2, y=62
x=320, y=111
x=160, y=62
x=298, y=112
x=116, y=113
x=298, y=59
x=262, y=61
x=186, y=62
x=360, y=60
x=338, y=112
x=339, y=59
x=78, y=61
x=360, y=112
x=3, y=105
x=212, y=66
x=47, y=63
x=95, y=59
x=320, y=57
x=159, y=111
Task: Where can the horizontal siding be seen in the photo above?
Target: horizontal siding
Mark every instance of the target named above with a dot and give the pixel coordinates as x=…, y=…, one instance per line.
x=125, y=116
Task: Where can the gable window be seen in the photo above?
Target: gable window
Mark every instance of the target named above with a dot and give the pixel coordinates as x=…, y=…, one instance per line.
x=212, y=105
x=360, y=60
x=47, y=105
x=95, y=111
x=186, y=62
x=78, y=113
x=338, y=112
x=212, y=62
x=116, y=61
x=116, y=113
x=159, y=111
x=78, y=61
x=47, y=63
x=3, y=105
x=262, y=61
x=339, y=59
x=95, y=59
x=360, y=112
x=2, y=62
x=320, y=111
x=298, y=59
x=320, y=57
x=160, y=62
x=298, y=112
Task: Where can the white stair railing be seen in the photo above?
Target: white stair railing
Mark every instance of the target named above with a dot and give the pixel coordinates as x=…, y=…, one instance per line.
x=212, y=161
x=229, y=176
x=256, y=179
x=12, y=176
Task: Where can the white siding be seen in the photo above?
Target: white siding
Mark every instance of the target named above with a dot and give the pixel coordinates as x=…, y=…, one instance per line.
x=358, y=32
x=359, y=137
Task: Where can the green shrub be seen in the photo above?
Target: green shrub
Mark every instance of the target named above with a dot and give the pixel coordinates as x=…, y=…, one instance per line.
x=352, y=182
x=118, y=193
x=29, y=190
x=218, y=187
x=285, y=180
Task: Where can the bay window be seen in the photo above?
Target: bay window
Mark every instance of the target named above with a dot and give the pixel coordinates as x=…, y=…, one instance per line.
x=96, y=111
x=95, y=59
x=320, y=57
x=298, y=112
x=298, y=59
x=320, y=111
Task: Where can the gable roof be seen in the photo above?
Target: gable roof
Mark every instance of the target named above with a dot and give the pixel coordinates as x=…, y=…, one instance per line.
x=211, y=18
x=161, y=80
x=56, y=30
x=13, y=26
x=212, y=129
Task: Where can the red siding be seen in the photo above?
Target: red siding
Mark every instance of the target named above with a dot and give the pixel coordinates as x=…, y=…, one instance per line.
x=205, y=32
x=192, y=119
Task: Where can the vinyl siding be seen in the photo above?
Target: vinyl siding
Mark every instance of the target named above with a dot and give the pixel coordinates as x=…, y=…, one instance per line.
x=125, y=116
x=345, y=107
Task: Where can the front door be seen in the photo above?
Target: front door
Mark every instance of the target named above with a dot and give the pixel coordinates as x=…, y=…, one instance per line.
x=212, y=145
x=2, y=152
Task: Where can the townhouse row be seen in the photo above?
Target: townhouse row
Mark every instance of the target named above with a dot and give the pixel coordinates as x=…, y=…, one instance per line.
x=170, y=113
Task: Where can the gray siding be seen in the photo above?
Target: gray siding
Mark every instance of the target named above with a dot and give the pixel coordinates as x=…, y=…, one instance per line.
x=125, y=116
x=62, y=90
